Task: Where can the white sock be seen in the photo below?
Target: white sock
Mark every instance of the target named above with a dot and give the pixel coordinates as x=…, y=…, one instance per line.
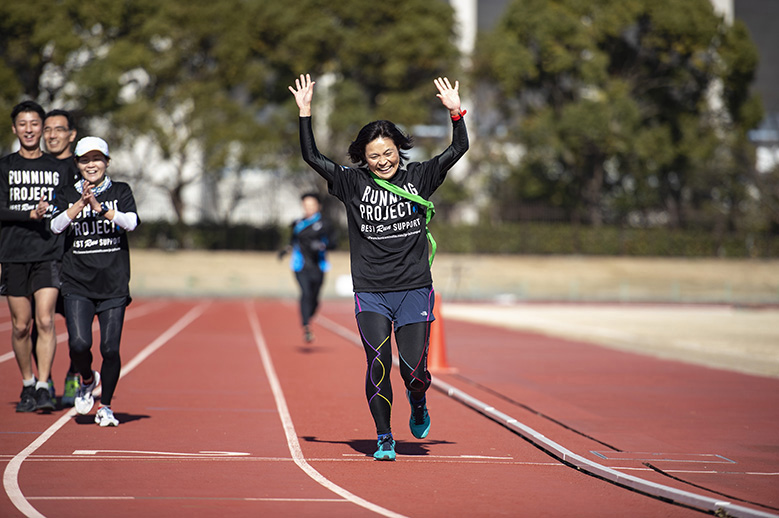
x=29, y=383
x=42, y=384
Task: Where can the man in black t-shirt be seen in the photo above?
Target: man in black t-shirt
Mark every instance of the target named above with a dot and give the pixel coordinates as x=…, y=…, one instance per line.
x=59, y=133
x=29, y=252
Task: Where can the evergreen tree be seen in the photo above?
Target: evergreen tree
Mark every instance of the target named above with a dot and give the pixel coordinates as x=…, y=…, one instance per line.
x=627, y=111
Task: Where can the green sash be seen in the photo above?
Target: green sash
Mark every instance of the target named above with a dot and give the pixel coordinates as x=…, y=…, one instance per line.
x=427, y=204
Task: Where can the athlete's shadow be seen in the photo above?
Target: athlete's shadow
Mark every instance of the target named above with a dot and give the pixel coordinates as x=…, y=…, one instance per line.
x=122, y=417
x=367, y=446
x=313, y=349
x=307, y=349
x=58, y=409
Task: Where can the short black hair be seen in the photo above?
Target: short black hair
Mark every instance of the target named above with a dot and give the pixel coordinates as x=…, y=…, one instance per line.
x=61, y=113
x=27, y=106
x=310, y=194
x=371, y=132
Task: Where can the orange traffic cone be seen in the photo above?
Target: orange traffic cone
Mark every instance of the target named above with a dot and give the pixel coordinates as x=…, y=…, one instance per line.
x=436, y=356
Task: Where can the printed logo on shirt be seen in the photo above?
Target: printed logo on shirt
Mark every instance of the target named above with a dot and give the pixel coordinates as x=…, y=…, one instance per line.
x=93, y=234
x=26, y=188
x=388, y=215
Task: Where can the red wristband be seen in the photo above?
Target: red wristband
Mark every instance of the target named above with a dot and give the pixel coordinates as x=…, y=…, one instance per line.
x=459, y=116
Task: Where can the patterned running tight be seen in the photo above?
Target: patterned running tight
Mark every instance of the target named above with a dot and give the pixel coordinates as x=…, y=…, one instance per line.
x=412, y=342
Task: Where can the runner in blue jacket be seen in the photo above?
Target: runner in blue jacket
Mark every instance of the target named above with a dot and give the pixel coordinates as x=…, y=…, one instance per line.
x=309, y=242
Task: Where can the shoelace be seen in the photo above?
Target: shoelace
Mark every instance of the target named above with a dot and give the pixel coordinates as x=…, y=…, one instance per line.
x=386, y=443
x=420, y=412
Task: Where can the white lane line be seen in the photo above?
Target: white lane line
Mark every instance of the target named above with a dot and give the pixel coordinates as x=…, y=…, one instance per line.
x=455, y=457
x=289, y=429
x=363, y=458
x=699, y=458
x=63, y=337
x=11, y=473
x=567, y=456
x=81, y=498
x=166, y=453
x=241, y=499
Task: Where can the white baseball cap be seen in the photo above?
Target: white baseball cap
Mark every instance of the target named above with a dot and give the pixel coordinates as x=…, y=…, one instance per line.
x=87, y=144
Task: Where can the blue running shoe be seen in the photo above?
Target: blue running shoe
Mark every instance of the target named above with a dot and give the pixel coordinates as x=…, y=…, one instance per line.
x=386, y=449
x=420, y=419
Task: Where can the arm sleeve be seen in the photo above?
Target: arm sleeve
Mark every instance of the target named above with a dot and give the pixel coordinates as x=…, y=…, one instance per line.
x=126, y=220
x=321, y=164
x=436, y=168
x=60, y=222
x=457, y=148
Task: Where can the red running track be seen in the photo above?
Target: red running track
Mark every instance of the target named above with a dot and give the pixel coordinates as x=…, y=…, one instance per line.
x=224, y=409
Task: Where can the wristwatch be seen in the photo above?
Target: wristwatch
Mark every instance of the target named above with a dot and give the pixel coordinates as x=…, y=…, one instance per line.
x=103, y=209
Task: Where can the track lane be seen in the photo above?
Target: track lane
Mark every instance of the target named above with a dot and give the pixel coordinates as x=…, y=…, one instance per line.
x=203, y=393
x=663, y=415
x=467, y=462
x=11, y=474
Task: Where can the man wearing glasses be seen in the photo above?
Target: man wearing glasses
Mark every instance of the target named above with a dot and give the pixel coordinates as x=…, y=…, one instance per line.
x=59, y=133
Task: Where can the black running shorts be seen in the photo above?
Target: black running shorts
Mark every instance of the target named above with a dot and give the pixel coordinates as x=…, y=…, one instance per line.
x=24, y=279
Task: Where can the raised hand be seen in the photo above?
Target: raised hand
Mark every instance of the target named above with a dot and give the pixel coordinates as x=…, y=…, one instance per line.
x=450, y=96
x=303, y=92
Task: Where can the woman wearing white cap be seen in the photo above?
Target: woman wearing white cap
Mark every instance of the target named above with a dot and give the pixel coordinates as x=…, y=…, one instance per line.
x=97, y=213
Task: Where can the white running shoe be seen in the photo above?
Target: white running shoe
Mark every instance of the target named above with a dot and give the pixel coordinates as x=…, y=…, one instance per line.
x=84, y=400
x=105, y=417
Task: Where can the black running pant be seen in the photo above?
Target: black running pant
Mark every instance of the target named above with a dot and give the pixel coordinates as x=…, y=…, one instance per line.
x=79, y=315
x=412, y=341
x=310, y=281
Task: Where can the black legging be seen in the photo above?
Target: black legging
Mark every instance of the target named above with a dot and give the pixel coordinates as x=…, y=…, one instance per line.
x=79, y=314
x=310, y=281
x=412, y=342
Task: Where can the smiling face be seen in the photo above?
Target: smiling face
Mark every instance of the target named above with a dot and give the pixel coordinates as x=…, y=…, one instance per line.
x=382, y=157
x=93, y=165
x=28, y=128
x=58, y=136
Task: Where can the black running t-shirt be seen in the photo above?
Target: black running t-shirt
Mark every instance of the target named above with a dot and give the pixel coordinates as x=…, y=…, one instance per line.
x=387, y=238
x=23, y=182
x=96, y=263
